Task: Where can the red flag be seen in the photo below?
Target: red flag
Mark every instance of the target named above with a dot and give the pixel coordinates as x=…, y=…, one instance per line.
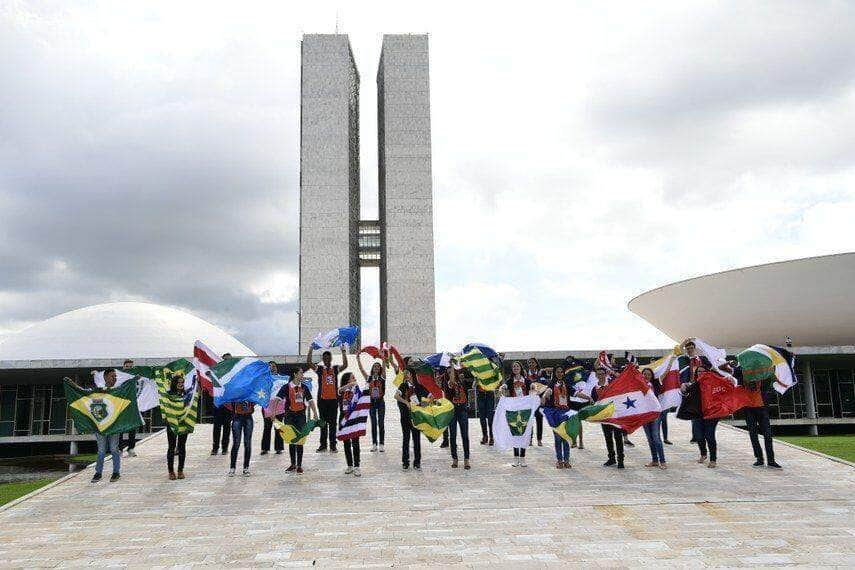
x=719, y=397
x=633, y=398
x=203, y=360
x=424, y=376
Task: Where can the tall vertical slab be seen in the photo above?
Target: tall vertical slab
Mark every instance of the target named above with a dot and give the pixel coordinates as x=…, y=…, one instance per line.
x=329, y=185
x=407, y=299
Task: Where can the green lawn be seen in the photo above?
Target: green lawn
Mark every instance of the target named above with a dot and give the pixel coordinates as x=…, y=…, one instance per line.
x=83, y=458
x=842, y=446
x=11, y=491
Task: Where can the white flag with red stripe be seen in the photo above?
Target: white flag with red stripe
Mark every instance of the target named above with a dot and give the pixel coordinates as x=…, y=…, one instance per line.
x=667, y=371
x=634, y=400
x=203, y=360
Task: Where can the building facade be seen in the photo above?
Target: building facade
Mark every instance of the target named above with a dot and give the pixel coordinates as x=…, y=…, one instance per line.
x=334, y=242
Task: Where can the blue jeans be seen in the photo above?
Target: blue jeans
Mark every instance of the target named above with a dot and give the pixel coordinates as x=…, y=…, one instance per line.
x=242, y=425
x=562, y=448
x=105, y=441
x=664, y=418
x=378, y=420
x=654, y=440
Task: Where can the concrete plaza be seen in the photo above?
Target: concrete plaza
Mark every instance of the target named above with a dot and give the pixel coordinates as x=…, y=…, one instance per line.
x=689, y=515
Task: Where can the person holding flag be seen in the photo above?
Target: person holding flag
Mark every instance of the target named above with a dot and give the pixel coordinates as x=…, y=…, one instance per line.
x=535, y=374
x=223, y=415
x=518, y=385
x=409, y=395
x=296, y=398
x=176, y=436
x=376, y=381
x=652, y=428
x=456, y=388
x=278, y=444
x=352, y=415
x=328, y=394
x=108, y=441
x=613, y=435
x=557, y=396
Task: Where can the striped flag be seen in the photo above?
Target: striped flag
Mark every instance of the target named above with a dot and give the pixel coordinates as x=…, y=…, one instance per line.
x=292, y=434
x=204, y=359
x=634, y=402
x=486, y=372
x=180, y=413
x=432, y=419
x=567, y=423
x=351, y=425
x=667, y=371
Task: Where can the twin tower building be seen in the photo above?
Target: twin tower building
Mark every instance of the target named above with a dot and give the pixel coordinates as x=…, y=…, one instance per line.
x=334, y=242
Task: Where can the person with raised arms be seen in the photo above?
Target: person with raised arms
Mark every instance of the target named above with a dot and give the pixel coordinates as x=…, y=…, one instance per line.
x=297, y=398
x=328, y=395
x=456, y=389
x=613, y=435
x=376, y=381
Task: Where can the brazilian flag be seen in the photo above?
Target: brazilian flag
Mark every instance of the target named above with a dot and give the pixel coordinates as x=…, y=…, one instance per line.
x=432, y=419
x=103, y=410
x=292, y=434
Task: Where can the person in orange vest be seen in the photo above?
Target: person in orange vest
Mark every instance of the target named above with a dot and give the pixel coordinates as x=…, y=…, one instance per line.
x=376, y=381
x=328, y=395
x=297, y=399
x=242, y=423
x=456, y=389
x=557, y=396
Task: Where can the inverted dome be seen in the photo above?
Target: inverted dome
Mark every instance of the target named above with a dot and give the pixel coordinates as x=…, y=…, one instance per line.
x=811, y=300
x=118, y=330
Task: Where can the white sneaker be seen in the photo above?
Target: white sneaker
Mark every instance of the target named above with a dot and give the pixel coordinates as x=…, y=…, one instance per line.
x=382, y=448
x=516, y=462
x=522, y=462
x=357, y=472
x=348, y=471
x=231, y=472
x=374, y=448
x=132, y=453
x=246, y=472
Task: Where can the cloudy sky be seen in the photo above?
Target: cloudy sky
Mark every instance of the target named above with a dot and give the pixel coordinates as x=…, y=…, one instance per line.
x=582, y=155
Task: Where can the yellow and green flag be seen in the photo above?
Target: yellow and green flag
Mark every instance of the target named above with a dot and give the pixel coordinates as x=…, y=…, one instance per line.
x=486, y=372
x=179, y=412
x=105, y=411
x=292, y=434
x=432, y=419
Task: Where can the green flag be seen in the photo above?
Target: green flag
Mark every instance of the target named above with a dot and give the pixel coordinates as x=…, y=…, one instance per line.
x=104, y=411
x=179, y=412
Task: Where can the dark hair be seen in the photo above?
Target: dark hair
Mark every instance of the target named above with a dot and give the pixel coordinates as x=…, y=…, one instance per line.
x=536, y=361
x=326, y=353
x=652, y=375
x=272, y=362
x=128, y=361
x=346, y=376
x=690, y=343
x=227, y=355
x=108, y=370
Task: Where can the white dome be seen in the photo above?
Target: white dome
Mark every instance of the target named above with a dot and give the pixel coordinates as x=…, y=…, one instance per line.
x=118, y=330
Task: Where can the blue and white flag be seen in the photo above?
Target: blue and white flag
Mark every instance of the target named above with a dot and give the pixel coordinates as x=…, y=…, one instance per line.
x=491, y=354
x=439, y=360
x=242, y=380
x=335, y=337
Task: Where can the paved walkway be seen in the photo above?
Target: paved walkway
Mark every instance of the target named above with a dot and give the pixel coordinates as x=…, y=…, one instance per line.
x=735, y=515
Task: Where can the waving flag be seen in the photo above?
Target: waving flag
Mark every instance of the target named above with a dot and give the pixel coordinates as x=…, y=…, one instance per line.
x=667, y=371
x=292, y=434
x=716, y=356
x=336, y=337
x=439, y=360
x=770, y=365
x=633, y=398
x=106, y=411
x=432, y=419
x=277, y=404
x=242, y=380
x=486, y=372
x=719, y=397
x=512, y=421
x=424, y=376
x=567, y=423
x=204, y=359
x=604, y=362
x=146, y=387
x=180, y=412
x=491, y=354
x=351, y=425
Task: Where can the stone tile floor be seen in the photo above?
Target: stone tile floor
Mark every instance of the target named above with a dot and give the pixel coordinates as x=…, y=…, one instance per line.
x=689, y=515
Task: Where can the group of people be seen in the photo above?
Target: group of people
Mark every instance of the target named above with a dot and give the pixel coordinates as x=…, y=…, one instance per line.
x=336, y=386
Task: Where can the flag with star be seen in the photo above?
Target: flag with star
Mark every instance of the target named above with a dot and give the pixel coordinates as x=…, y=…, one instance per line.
x=106, y=411
x=241, y=380
x=512, y=421
x=633, y=398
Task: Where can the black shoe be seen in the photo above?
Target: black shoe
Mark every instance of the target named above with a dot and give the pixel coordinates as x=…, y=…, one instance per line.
x=444, y=445
x=333, y=450
x=213, y=452
x=774, y=465
x=96, y=478
x=758, y=463
x=620, y=464
x=321, y=449
x=225, y=452
x=666, y=442
x=264, y=452
x=406, y=466
x=114, y=477
x=278, y=452
x=609, y=463
x=628, y=443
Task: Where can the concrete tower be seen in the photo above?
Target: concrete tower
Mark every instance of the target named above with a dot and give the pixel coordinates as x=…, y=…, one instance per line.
x=407, y=300
x=329, y=186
